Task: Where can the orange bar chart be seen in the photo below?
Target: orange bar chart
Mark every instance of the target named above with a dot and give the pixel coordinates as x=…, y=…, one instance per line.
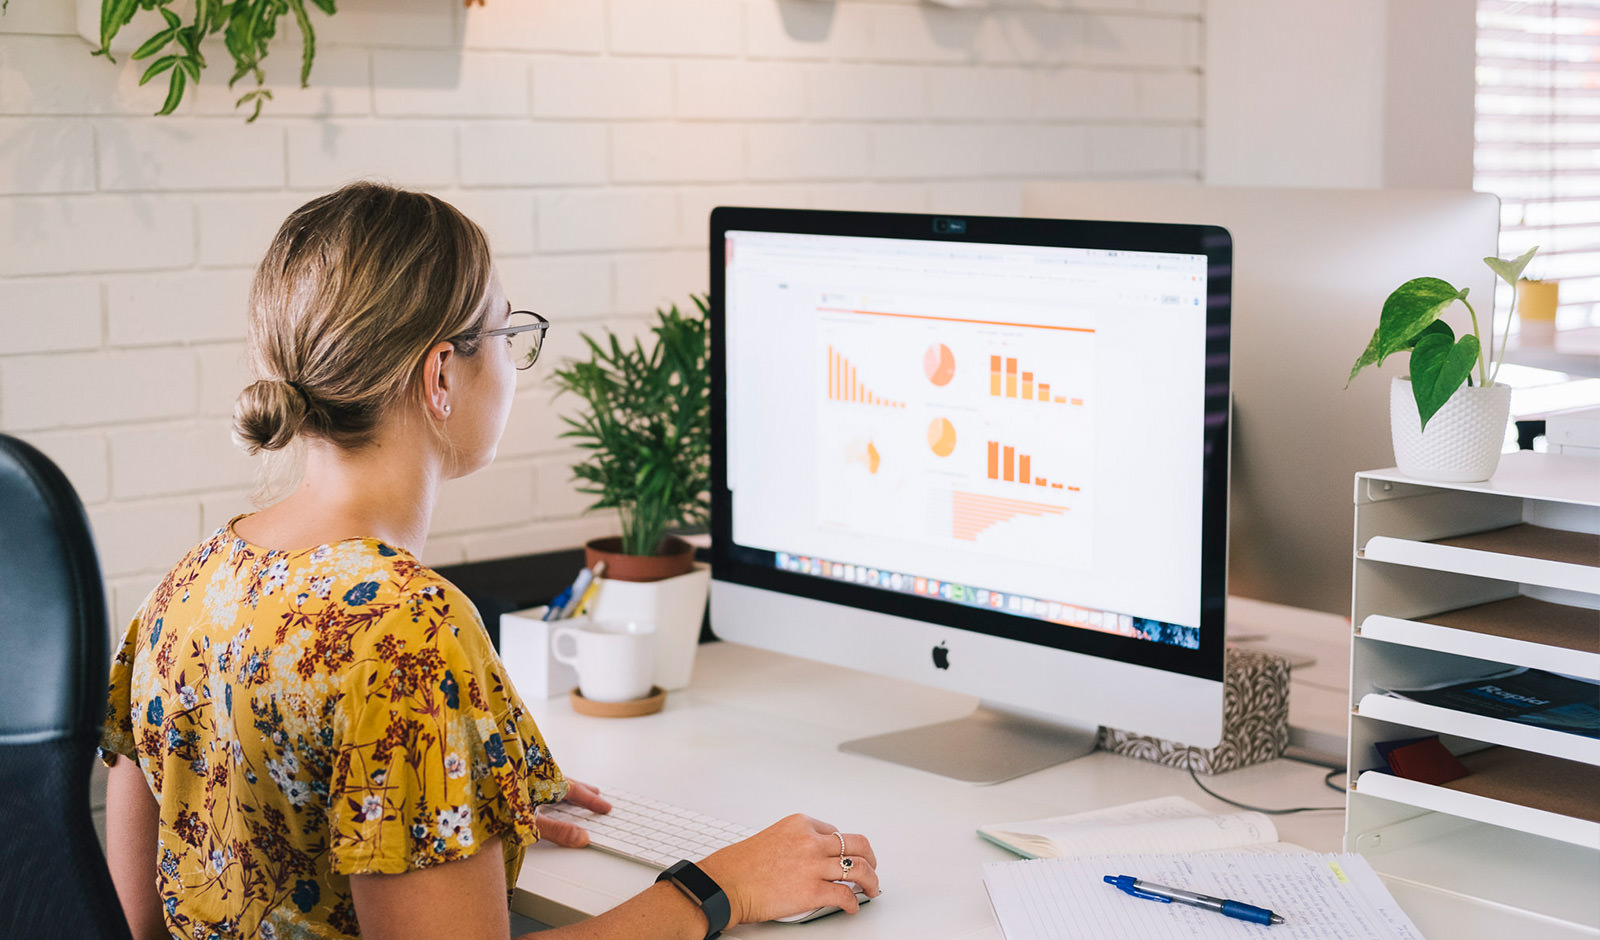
x=844, y=386
x=974, y=512
x=1009, y=466
x=1008, y=380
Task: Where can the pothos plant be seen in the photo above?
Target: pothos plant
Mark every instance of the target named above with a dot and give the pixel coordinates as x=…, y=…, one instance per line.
x=646, y=427
x=247, y=27
x=1440, y=363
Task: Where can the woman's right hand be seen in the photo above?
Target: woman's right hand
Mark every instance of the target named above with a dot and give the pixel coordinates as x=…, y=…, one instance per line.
x=792, y=866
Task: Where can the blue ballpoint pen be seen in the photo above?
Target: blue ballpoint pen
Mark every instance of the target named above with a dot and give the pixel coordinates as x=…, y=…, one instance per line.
x=553, y=610
x=1154, y=892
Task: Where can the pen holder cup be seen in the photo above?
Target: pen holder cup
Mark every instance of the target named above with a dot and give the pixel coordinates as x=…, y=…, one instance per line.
x=525, y=649
x=1255, y=720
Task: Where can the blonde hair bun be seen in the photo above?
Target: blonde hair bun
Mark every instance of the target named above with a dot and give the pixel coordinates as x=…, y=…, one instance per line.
x=355, y=289
x=268, y=414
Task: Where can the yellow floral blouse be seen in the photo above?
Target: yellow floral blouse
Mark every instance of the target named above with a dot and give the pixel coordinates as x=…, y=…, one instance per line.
x=306, y=716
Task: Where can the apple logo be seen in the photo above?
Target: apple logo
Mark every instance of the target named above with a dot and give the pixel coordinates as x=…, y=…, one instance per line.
x=941, y=657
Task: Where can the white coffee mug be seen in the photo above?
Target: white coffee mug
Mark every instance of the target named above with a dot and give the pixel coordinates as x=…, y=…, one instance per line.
x=615, y=661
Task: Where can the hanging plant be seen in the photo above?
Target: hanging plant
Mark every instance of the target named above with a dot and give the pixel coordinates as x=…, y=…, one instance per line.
x=247, y=26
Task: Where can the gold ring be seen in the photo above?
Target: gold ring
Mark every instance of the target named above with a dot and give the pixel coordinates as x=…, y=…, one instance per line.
x=841, y=844
x=845, y=864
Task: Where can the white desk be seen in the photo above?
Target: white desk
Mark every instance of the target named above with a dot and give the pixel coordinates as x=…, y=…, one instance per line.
x=755, y=738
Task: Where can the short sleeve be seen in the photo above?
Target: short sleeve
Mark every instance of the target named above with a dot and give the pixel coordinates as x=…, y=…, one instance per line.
x=436, y=754
x=116, y=733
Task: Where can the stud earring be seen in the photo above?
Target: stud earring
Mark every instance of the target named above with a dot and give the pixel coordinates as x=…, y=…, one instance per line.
x=447, y=410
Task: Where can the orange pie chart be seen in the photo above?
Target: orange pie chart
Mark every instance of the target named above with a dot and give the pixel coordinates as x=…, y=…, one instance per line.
x=942, y=436
x=939, y=363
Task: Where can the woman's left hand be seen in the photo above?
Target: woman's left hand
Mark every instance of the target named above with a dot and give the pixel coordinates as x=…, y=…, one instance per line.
x=569, y=834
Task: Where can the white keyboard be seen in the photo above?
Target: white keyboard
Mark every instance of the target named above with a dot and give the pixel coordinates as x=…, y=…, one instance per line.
x=658, y=834
x=650, y=831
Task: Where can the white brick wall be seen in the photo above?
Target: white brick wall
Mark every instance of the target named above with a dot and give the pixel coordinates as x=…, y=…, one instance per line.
x=167, y=309
x=519, y=153
x=46, y=156
x=590, y=138
x=325, y=154
x=53, y=315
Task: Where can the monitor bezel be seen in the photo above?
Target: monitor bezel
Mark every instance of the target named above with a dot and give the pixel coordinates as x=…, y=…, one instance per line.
x=754, y=568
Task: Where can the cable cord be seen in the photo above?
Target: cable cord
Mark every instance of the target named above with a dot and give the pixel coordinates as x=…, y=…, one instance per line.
x=1327, y=781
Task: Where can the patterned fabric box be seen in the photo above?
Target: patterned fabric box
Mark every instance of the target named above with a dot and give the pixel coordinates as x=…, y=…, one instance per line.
x=1255, y=720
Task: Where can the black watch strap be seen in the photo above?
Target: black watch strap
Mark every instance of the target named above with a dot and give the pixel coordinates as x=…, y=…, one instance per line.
x=689, y=879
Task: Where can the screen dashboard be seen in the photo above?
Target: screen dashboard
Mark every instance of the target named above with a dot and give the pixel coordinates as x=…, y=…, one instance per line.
x=1011, y=426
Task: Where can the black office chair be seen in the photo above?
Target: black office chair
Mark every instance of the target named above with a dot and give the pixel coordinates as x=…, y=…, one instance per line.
x=53, y=660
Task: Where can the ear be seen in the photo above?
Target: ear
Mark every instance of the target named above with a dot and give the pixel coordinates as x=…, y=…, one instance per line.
x=438, y=378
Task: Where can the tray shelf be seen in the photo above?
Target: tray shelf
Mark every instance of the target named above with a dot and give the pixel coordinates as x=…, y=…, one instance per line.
x=1479, y=728
x=1544, y=885
x=1531, y=793
x=1517, y=631
x=1530, y=554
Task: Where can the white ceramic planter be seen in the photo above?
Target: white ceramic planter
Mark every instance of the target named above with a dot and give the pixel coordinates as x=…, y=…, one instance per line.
x=1463, y=440
x=675, y=605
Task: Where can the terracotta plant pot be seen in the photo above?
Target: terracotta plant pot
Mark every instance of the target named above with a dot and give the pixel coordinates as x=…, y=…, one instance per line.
x=674, y=558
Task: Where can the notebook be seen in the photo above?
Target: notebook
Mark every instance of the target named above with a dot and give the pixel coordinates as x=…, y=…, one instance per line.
x=1319, y=897
x=1167, y=824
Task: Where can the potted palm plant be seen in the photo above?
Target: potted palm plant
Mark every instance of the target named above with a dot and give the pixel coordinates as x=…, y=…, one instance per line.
x=646, y=432
x=1448, y=417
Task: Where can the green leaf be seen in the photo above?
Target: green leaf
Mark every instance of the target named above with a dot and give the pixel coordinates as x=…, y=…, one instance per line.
x=1407, y=312
x=157, y=67
x=153, y=45
x=114, y=14
x=174, y=92
x=1511, y=271
x=189, y=40
x=257, y=96
x=172, y=18
x=1438, y=368
x=308, y=40
x=1436, y=328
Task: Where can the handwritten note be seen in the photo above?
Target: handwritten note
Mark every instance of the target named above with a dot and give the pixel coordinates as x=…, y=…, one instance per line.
x=1320, y=897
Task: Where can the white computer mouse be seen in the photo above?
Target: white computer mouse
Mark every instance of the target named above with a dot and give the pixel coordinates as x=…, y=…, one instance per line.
x=825, y=910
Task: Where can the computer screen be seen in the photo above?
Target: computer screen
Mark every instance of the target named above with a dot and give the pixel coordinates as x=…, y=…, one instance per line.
x=986, y=454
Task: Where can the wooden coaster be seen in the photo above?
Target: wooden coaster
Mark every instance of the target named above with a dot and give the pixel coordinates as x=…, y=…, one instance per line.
x=648, y=705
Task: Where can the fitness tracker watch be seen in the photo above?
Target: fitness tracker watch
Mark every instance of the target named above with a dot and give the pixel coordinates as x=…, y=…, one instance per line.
x=689, y=879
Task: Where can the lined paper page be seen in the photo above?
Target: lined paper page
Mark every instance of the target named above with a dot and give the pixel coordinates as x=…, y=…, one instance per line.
x=1320, y=897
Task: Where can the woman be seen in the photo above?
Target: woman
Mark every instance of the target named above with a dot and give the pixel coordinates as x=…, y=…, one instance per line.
x=322, y=740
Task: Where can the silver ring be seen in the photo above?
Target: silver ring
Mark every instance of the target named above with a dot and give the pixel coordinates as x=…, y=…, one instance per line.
x=845, y=864
x=841, y=844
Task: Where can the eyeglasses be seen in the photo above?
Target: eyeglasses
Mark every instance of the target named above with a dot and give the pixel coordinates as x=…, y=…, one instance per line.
x=525, y=336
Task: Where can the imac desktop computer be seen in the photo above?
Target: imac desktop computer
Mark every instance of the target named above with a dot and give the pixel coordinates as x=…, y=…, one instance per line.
x=984, y=454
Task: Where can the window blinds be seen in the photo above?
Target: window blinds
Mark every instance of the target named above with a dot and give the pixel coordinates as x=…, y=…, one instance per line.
x=1538, y=140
